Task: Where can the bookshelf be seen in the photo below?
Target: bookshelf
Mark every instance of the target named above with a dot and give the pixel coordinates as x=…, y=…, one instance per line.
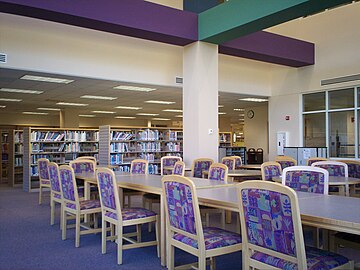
x=225, y=139
x=4, y=165
x=17, y=151
x=119, y=146
x=57, y=145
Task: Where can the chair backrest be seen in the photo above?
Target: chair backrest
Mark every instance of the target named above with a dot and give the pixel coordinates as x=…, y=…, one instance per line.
x=87, y=158
x=353, y=168
x=218, y=172
x=335, y=168
x=139, y=166
x=68, y=185
x=238, y=162
x=199, y=165
x=109, y=194
x=285, y=161
x=270, y=169
x=306, y=179
x=43, y=168
x=54, y=178
x=229, y=162
x=179, y=168
x=182, y=208
x=270, y=224
x=310, y=161
x=83, y=166
x=168, y=161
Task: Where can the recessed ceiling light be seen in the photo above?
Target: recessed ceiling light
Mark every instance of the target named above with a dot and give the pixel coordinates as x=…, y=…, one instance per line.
x=221, y=106
x=38, y=113
x=22, y=91
x=98, y=97
x=72, y=104
x=2, y=106
x=160, y=102
x=254, y=99
x=49, y=109
x=45, y=79
x=108, y=112
x=148, y=114
x=11, y=99
x=172, y=110
x=221, y=113
x=239, y=110
x=179, y=116
x=125, y=117
x=86, y=115
x=128, y=108
x=134, y=88
x=161, y=119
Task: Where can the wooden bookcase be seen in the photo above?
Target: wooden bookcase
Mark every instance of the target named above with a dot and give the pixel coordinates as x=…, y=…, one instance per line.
x=5, y=157
x=225, y=139
x=17, y=151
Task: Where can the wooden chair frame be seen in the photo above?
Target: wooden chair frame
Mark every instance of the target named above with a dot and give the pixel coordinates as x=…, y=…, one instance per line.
x=128, y=193
x=41, y=186
x=87, y=158
x=171, y=243
x=182, y=164
x=241, y=161
x=315, y=159
x=53, y=199
x=285, y=158
x=352, y=161
x=83, y=160
x=167, y=157
x=269, y=163
x=120, y=224
x=199, y=160
x=229, y=158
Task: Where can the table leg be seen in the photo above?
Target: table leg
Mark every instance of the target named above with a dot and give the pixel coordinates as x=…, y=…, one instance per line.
x=341, y=190
x=162, y=232
x=228, y=216
x=352, y=190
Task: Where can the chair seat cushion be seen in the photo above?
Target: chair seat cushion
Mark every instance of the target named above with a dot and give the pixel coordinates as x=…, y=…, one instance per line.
x=214, y=238
x=132, y=213
x=151, y=196
x=45, y=182
x=57, y=196
x=316, y=259
x=86, y=204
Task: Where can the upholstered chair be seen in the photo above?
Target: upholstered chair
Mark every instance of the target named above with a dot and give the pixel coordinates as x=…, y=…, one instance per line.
x=229, y=162
x=199, y=166
x=55, y=190
x=238, y=162
x=285, y=161
x=270, y=170
x=167, y=164
x=310, y=161
x=43, y=176
x=179, y=168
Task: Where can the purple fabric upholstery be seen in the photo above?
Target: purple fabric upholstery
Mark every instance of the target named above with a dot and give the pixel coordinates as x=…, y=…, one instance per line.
x=214, y=238
x=178, y=169
x=45, y=182
x=316, y=259
x=238, y=163
x=306, y=181
x=354, y=169
x=54, y=178
x=43, y=169
x=67, y=184
x=217, y=173
x=309, y=162
x=201, y=166
x=271, y=171
x=285, y=163
x=333, y=169
x=84, y=205
x=180, y=206
x=229, y=162
x=132, y=213
x=57, y=196
x=83, y=167
x=268, y=217
x=138, y=168
x=169, y=162
x=106, y=189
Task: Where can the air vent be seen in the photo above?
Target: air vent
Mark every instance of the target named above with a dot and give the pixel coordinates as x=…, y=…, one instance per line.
x=178, y=80
x=3, y=58
x=349, y=78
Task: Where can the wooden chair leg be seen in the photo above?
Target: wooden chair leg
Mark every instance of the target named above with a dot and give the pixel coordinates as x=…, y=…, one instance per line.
x=52, y=211
x=119, y=243
x=64, y=225
x=202, y=261
x=170, y=256
x=157, y=229
x=77, y=230
x=212, y=263
x=40, y=195
x=138, y=233
x=223, y=219
x=103, y=235
x=61, y=214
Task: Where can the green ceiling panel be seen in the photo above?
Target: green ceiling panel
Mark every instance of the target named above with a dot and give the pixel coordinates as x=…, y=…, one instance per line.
x=236, y=18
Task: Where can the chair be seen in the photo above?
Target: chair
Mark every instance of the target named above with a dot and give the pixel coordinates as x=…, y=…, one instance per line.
x=229, y=162
x=238, y=162
x=285, y=161
x=272, y=231
x=55, y=191
x=113, y=214
x=138, y=166
x=43, y=176
x=270, y=170
x=179, y=168
x=314, y=159
x=183, y=224
x=85, y=166
x=199, y=165
x=353, y=170
x=167, y=164
x=87, y=158
x=73, y=206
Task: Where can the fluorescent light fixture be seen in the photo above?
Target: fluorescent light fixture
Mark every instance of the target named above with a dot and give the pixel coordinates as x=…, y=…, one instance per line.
x=22, y=91
x=98, y=97
x=161, y=119
x=125, y=117
x=254, y=99
x=45, y=79
x=11, y=99
x=134, y=88
x=239, y=110
x=160, y=102
x=106, y=112
x=2, y=106
x=148, y=114
x=38, y=113
x=86, y=115
x=179, y=116
x=221, y=113
x=72, y=104
x=128, y=108
x=221, y=106
x=172, y=110
x=49, y=109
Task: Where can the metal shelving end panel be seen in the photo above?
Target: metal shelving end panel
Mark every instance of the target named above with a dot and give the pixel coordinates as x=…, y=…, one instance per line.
x=104, y=145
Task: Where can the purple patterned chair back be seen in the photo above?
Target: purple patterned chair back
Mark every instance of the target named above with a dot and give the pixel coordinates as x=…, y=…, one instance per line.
x=218, y=172
x=285, y=163
x=139, y=166
x=54, y=177
x=310, y=161
x=168, y=161
x=43, y=168
x=108, y=192
x=229, y=162
x=353, y=169
x=334, y=168
x=83, y=166
x=200, y=165
x=179, y=168
x=270, y=170
x=68, y=184
x=306, y=179
x=238, y=162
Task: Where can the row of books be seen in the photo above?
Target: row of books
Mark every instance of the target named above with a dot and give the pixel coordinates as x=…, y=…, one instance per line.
x=18, y=137
x=116, y=159
x=119, y=147
x=82, y=136
x=46, y=136
x=173, y=135
x=121, y=136
x=19, y=148
x=55, y=136
x=153, y=168
x=18, y=161
x=173, y=146
x=52, y=158
x=148, y=134
x=148, y=156
x=64, y=147
x=149, y=146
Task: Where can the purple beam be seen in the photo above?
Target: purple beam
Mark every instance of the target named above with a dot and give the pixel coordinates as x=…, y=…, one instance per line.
x=135, y=18
x=272, y=48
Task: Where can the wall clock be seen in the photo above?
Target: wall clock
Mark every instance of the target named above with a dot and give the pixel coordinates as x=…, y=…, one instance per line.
x=250, y=114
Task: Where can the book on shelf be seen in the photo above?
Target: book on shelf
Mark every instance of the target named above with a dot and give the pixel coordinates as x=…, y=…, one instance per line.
x=121, y=136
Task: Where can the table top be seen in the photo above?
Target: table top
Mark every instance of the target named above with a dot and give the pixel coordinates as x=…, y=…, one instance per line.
x=333, y=180
x=243, y=173
x=251, y=166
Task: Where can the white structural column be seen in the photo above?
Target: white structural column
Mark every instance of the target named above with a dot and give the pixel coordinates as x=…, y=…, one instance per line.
x=200, y=101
